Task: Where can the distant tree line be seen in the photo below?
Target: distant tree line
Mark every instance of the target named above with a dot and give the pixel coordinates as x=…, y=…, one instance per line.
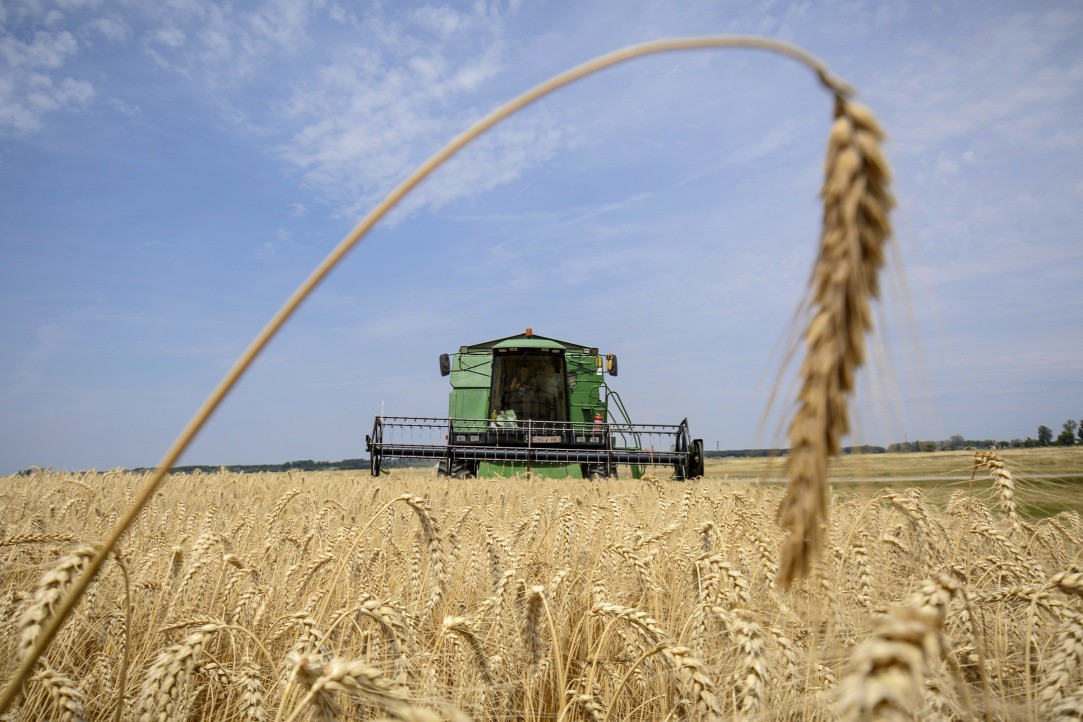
x=303, y=465
x=1067, y=437
x=753, y=453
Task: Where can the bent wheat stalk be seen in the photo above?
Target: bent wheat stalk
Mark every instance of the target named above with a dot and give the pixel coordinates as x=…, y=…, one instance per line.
x=810, y=473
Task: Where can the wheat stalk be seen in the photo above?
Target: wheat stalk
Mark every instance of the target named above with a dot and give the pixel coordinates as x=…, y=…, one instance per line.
x=856, y=203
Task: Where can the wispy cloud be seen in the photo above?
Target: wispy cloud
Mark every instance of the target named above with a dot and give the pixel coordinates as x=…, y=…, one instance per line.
x=223, y=45
x=33, y=83
x=377, y=111
x=947, y=92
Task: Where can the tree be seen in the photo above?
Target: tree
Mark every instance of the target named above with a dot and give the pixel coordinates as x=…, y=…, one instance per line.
x=1081, y=429
x=1045, y=435
x=1067, y=436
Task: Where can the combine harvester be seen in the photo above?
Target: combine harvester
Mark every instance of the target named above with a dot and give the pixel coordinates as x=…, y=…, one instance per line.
x=531, y=404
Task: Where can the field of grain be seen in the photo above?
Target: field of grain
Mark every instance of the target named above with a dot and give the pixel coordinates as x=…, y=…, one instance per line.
x=340, y=596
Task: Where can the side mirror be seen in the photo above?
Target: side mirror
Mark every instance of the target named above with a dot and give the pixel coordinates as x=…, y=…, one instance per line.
x=445, y=364
x=611, y=363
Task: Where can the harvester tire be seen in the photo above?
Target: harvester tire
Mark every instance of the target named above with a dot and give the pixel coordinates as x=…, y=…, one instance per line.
x=695, y=459
x=593, y=472
x=459, y=469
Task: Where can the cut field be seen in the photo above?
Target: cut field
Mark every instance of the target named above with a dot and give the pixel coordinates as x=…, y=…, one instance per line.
x=339, y=596
x=1047, y=480
x=1062, y=462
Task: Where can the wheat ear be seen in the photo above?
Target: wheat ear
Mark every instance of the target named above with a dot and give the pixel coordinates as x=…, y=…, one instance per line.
x=752, y=676
x=434, y=542
x=49, y=591
x=351, y=677
x=37, y=539
x=530, y=606
x=1069, y=582
x=1064, y=662
x=689, y=667
x=856, y=202
x=886, y=673
x=1003, y=483
x=467, y=629
x=172, y=668
x=66, y=696
x=252, y=698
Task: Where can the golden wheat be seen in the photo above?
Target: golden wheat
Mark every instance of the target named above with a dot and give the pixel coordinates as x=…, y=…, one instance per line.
x=844, y=280
x=642, y=625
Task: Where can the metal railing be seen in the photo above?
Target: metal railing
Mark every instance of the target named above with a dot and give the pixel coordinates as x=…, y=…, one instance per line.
x=526, y=441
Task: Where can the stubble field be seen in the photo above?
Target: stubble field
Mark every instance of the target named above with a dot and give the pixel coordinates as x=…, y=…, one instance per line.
x=338, y=596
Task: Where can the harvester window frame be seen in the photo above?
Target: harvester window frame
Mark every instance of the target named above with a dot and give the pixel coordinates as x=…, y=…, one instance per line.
x=534, y=402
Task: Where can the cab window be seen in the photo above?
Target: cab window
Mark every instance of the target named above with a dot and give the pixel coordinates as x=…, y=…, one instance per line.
x=530, y=384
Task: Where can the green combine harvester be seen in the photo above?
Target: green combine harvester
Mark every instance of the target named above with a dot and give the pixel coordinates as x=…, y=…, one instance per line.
x=533, y=404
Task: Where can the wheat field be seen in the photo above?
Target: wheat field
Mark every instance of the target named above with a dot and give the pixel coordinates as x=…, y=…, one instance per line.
x=338, y=596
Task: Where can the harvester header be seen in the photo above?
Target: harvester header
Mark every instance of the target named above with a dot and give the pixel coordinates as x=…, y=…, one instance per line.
x=529, y=403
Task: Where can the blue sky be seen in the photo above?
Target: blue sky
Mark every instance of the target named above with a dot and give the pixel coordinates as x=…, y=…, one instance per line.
x=170, y=171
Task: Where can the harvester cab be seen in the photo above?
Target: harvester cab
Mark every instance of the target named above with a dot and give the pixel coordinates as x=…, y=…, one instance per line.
x=528, y=403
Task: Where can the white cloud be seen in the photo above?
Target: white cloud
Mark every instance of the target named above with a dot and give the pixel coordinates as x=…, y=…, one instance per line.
x=111, y=28
x=369, y=117
x=948, y=91
x=355, y=122
x=442, y=20
x=70, y=5
x=31, y=87
x=283, y=240
x=48, y=50
x=170, y=36
x=222, y=45
x=125, y=108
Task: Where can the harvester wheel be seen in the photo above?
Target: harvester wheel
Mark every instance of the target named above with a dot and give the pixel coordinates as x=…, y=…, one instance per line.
x=459, y=469
x=695, y=459
x=593, y=472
